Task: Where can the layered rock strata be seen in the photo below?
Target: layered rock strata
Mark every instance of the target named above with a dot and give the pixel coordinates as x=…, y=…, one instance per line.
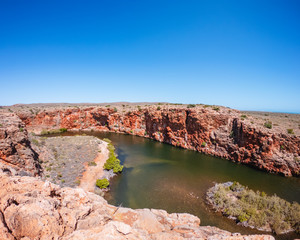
x=15, y=147
x=220, y=132
x=33, y=209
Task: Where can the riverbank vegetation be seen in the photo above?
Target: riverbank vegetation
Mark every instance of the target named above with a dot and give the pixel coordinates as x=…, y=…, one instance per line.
x=54, y=131
x=112, y=162
x=102, y=183
x=255, y=209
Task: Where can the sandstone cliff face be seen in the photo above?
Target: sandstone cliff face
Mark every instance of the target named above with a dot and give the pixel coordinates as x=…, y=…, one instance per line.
x=15, y=148
x=32, y=209
x=216, y=132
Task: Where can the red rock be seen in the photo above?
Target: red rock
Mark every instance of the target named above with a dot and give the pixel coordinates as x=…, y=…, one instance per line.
x=222, y=133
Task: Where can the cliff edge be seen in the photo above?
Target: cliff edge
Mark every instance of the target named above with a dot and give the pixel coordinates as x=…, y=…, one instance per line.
x=33, y=209
x=217, y=131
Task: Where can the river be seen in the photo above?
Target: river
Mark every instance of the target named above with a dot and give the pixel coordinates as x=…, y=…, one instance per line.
x=158, y=175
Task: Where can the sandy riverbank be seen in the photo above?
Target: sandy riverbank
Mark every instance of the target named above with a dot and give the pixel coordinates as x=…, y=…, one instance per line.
x=92, y=173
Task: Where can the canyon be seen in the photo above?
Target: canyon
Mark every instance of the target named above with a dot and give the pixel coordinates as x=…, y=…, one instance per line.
x=33, y=209
x=216, y=131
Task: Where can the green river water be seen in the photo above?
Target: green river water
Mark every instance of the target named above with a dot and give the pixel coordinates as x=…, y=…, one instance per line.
x=161, y=176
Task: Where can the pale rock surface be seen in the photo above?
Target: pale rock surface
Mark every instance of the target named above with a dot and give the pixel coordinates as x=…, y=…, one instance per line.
x=33, y=209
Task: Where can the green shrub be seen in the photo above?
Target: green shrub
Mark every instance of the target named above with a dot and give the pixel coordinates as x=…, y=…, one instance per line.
x=113, y=162
x=21, y=129
x=203, y=144
x=92, y=164
x=216, y=108
x=35, y=142
x=44, y=132
x=53, y=131
x=243, y=217
x=268, y=124
x=77, y=182
x=263, y=194
x=115, y=109
x=158, y=108
x=106, y=140
x=191, y=106
x=290, y=131
x=256, y=208
x=1, y=125
x=102, y=183
x=63, y=130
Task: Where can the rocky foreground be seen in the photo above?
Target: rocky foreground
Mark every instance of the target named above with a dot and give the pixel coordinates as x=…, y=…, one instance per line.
x=213, y=130
x=32, y=209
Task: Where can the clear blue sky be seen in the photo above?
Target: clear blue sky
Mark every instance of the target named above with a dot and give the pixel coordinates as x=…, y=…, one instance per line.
x=241, y=54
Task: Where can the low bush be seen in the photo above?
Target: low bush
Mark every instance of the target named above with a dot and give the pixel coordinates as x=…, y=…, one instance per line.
x=102, y=183
x=92, y=164
x=53, y=131
x=106, y=140
x=203, y=144
x=290, y=131
x=77, y=182
x=191, y=106
x=268, y=124
x=158, y=108
x=113, y=162
x=255, y=209
x=216, y=108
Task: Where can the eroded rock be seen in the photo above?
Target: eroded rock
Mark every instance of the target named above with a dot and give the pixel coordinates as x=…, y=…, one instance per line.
x=15, y=148
x=33, y=209
x=220, y=133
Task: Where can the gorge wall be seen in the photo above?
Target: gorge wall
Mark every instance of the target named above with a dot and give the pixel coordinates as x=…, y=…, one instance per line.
x=15, y=148
x=31, y=209
x=216, y=131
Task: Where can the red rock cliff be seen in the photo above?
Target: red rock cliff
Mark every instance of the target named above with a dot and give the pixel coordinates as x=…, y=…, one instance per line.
x=216, y=132
x=15, y=148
